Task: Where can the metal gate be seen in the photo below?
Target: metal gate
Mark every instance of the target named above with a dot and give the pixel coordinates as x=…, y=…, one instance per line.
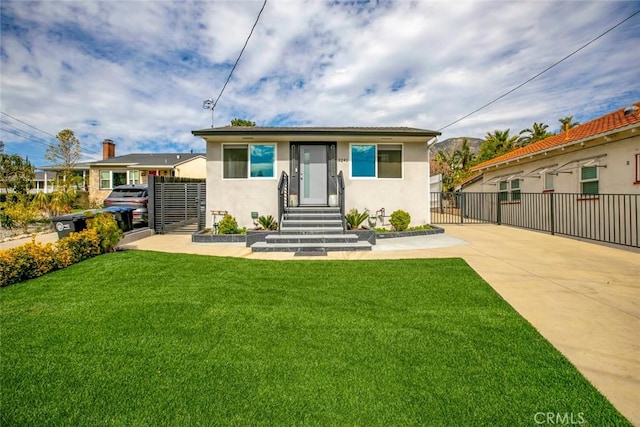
x=609, y=218
x=176, y=205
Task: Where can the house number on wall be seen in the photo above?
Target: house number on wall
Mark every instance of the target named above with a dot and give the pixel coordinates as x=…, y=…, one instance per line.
x=342, y=160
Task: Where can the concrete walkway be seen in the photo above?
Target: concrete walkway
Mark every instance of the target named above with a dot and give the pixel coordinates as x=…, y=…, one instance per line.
x=582, y=297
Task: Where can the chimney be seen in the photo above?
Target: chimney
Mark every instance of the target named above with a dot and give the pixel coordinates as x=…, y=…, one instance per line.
x=108, y=149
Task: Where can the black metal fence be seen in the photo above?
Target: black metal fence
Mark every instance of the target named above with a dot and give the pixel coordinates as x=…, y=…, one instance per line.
x=176, y=205
x=610, y=218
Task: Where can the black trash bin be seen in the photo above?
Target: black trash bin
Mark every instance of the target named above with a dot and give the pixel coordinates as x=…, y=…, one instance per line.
x=123, y=216
x=66, y=224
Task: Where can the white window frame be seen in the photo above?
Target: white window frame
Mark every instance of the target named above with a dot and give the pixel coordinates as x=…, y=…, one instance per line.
x=248, y=147
x=589, y=180
x=376, y=145
x=545, y=183
x=110, y=180
x=511, y=193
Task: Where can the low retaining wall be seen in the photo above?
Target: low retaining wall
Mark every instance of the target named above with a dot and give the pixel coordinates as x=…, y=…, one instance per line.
x=395, y=234
x=259, y=236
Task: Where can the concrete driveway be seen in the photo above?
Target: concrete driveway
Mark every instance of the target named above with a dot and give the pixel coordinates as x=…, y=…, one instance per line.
x=583, y=297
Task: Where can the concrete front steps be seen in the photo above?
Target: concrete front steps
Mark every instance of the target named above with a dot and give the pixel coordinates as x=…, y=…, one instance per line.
x=311, y=231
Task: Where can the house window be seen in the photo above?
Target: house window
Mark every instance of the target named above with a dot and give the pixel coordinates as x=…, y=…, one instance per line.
x=504, y=191
x=248, y=161
x=111, y=179
x=589, y=183
x=637, y=181
x=134, y=177
x=548, y=182
x=515, y=190
x=376, y=161
x=510, y=191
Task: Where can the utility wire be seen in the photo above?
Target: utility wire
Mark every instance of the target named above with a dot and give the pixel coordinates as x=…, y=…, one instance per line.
x=27, y=124
x=239, y=56
x=30, y=135
x=540, y=73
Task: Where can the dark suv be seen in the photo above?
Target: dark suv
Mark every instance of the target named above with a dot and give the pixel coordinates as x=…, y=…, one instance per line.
x=131, y=196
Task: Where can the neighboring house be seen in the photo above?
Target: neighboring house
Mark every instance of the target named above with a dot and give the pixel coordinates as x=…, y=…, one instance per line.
x=382, y=167
x=45, y=179
x=598, y=157
x=43, y=182
x=105, y=174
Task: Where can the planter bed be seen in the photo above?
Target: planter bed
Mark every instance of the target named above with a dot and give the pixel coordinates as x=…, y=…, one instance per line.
x=395, y=234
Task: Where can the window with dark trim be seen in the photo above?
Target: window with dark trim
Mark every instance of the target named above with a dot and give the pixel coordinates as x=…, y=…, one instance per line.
x=637, y=181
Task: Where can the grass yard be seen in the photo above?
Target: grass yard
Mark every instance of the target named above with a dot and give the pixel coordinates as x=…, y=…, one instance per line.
x=144, y=338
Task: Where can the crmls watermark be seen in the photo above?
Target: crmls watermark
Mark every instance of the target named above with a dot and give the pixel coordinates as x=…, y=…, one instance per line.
x=559, y=418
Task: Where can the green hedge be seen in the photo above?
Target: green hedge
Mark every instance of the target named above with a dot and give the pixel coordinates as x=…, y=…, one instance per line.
x=34, y=259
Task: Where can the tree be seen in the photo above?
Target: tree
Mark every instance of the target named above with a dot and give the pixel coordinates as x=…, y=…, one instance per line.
x=464, y=155
x=496, y=144
x=567, y=123
x=16, y=173
x=536, y=133
x=65, y=154
x=242, y=122
x=454, y=165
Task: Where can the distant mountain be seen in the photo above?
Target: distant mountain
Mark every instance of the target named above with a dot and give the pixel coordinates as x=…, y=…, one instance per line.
x=452, y=144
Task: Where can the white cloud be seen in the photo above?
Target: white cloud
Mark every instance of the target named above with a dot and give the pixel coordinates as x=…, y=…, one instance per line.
x=137, y=71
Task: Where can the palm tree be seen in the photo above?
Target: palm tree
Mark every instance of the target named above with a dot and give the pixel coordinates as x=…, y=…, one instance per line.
x=536, y=133
x=495, y=144
x=567, y=123
x=463, y=155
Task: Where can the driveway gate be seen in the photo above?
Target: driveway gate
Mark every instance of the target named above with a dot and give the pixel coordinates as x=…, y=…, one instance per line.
x=609, y=218
x=176, y=205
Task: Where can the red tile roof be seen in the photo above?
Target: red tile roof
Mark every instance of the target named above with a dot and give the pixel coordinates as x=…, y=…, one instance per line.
x=612, y=121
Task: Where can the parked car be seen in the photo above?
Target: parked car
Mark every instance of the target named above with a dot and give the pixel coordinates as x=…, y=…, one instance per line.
x=133, y=196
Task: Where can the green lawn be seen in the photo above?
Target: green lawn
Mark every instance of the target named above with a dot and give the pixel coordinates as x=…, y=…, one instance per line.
x=144, y=338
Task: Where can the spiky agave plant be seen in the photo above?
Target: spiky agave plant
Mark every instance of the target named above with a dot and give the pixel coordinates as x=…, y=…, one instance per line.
x=355, y=218
x=268, y=222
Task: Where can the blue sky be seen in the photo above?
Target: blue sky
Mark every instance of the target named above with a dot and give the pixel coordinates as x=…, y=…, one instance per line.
x=137, y=71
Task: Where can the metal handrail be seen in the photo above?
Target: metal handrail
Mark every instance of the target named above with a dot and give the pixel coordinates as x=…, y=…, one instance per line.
x=283, y=197
x=341, y=200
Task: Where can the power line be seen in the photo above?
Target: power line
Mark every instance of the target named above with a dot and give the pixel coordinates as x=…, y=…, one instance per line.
x=27, y=124
x=540, y=73
x=238, y=60
x=32, y=135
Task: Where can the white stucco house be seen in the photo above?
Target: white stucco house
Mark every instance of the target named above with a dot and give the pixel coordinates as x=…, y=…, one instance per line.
x=598, y=157
x=380, y=168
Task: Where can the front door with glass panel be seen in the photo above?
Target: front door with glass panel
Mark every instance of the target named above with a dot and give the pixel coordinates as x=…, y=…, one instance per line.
x=313, y=175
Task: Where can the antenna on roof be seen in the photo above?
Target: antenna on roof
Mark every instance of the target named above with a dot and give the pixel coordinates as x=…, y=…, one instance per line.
x=208, y=104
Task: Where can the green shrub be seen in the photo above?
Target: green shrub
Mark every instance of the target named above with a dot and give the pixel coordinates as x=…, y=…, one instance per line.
x=34, y=259
x=107, y=229
x=228, y=225
x=78, y=246
x=400, y=220
x=355, y=218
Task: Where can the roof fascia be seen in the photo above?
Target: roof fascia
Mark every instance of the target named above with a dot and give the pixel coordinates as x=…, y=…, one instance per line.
x=631, y=127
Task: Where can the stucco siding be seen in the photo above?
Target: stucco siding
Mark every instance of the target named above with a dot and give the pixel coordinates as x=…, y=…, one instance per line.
x=409, y=193
x=240, y=197
x=615, y=161
x=196, y=168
